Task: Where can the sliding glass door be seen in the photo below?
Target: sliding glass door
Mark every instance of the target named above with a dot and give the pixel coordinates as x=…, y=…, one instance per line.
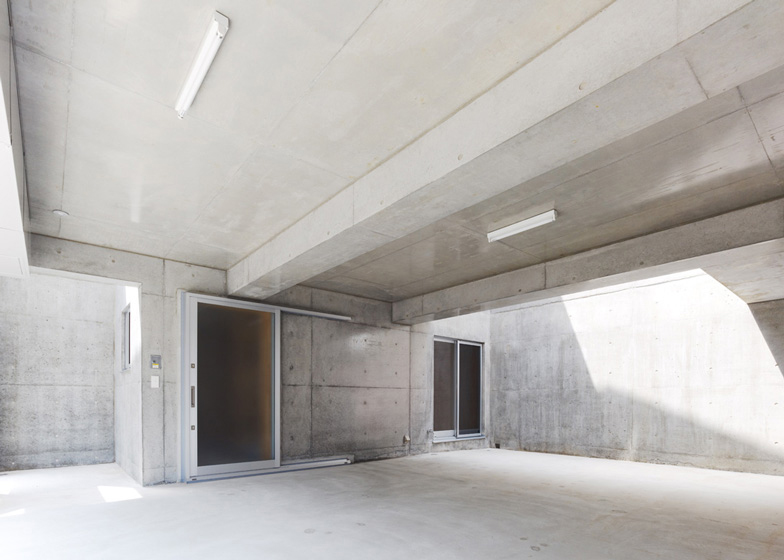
x=231, y=381
x=457, y=389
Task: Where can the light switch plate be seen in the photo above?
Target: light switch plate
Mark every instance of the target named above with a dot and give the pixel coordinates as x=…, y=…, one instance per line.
x=155, y=381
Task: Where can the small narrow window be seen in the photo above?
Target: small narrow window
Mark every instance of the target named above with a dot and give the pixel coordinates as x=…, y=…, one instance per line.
x=457, y=389
x=126, y=338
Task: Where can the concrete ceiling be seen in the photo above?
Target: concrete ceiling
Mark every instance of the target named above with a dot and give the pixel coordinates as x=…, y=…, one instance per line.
x=650, y=116
x=367, y=147
x=702, y=162
x=303, y=98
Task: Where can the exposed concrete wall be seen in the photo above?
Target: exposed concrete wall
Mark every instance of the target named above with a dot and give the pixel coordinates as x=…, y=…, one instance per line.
x=347, y=388
x=769, y=316
x=14, y=210
x=677, y=372
x=475, y=328
x=56, y=363
x=360, y=387
x=127, y=384
x=344, y=385
x=159, y=281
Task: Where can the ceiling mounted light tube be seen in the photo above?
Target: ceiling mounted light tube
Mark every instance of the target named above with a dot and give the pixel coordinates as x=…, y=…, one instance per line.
x=525, y=225
x=219, y=26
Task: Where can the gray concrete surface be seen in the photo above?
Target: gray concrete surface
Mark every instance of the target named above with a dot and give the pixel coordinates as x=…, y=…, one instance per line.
x=56, y=365
x=712, y=152
x=675, y=371
x=128, y=440
x=236, y=141
x=513, y=134
x=473, y=328
x=769, y=316
x=755, y=279
x=159, y=281
x=358, y=388
x=723, y=243
x=14, y=202
x=345, y=387
x=492, y=504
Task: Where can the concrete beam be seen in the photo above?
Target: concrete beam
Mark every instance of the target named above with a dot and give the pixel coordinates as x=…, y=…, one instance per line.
x=622, y=71
x=754, y=279
x=14, y=242
x=722, y=241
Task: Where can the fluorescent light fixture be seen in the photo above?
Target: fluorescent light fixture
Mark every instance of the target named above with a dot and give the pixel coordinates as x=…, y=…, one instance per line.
x=525, y=225
x=219, y=26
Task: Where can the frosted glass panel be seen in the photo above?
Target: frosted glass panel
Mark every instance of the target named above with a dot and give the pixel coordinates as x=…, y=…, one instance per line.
x=236, y=385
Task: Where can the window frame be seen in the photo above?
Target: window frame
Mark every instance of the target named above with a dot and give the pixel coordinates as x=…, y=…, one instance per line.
x=127, y=357
x=454, y=434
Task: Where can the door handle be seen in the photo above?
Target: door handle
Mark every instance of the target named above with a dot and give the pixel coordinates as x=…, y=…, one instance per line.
x=193, y=396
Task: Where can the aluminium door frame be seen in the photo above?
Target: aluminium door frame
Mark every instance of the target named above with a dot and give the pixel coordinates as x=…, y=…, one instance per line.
x=190, y=471
x=446, y=435
x=481, y=347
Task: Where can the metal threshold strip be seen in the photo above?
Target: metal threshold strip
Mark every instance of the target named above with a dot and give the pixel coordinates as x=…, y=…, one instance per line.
x=286, y=466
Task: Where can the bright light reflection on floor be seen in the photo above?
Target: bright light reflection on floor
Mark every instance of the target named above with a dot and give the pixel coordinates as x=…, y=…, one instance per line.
x=13, y=513
x=5, y=487
x=118, y=493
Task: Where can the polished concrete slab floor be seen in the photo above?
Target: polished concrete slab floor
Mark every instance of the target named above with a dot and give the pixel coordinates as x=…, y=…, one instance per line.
x=466, y=504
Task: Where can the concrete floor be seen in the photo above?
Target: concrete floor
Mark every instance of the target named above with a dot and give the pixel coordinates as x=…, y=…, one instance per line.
x=466, y=504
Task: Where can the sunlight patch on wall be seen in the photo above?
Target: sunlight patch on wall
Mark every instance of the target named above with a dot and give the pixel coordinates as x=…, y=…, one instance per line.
x=689, y=356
